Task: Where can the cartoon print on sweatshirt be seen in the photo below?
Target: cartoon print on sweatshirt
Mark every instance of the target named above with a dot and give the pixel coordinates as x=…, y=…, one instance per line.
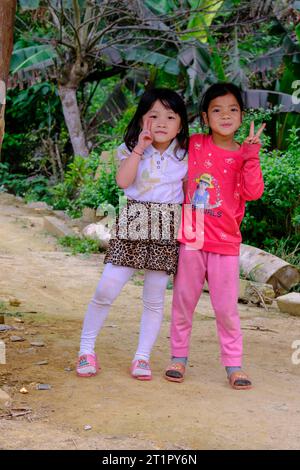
x=201, y=196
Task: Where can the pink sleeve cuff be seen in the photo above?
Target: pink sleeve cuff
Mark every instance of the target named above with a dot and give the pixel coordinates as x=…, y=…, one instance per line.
x=251, y=150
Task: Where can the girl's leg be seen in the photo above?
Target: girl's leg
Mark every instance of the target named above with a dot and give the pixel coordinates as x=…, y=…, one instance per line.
x=223, y=280
x=110, y=285
x=155, y=285
x=188, y=286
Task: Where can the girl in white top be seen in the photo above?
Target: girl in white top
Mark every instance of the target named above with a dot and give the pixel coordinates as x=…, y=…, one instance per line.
x=151, y=173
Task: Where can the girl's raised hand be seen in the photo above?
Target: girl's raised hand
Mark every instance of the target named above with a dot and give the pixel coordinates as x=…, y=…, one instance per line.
x=254, y=138
x=145, y=137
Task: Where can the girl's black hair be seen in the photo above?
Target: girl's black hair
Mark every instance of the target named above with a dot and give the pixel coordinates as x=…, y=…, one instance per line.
x=216, y=90
x=171, y=100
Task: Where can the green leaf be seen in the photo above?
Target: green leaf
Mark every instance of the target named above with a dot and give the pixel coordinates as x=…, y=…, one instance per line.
x=297, y=29
x=161, y=7
x=171, y=67
x=197, y=63
x=169, y=64
x=200, y=21
x=32, y=57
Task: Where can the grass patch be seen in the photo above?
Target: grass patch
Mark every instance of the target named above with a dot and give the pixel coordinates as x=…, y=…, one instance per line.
x=80, y=245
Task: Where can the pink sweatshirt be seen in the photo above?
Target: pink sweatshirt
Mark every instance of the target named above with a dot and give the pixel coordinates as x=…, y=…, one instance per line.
x=219, y=183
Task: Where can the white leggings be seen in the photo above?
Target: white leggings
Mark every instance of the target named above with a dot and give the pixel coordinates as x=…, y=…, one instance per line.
x=110, y=285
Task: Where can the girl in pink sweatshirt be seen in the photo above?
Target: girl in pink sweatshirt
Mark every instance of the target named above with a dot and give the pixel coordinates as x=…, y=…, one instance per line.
x=222, y=176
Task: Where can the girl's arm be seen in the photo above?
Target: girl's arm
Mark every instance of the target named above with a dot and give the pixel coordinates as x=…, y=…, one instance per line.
x=185, y=184
x=251, y=183
x=128, y=168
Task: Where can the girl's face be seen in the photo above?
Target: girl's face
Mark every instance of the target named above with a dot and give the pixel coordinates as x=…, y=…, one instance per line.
x=224, y=115
x=165, y=124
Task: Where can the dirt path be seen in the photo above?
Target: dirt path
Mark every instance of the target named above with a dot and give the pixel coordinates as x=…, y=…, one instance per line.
x=201, y=413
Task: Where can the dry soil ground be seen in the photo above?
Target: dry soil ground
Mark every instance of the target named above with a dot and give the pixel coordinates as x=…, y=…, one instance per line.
x=201, y=413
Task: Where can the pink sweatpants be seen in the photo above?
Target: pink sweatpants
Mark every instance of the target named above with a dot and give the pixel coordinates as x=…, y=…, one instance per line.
x=222, y=274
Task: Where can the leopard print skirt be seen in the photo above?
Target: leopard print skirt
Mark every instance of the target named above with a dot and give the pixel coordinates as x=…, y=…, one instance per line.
x=145, y=237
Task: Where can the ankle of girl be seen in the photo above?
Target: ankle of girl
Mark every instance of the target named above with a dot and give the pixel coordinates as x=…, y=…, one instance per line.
x=231, y=369
x=183, y=360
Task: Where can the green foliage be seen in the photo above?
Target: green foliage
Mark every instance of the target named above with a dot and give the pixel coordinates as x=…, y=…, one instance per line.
x=59, y=197
x=282, y=248
x=80, y=245
x=259, y=116
x=33, y=115
x=276, y=215
x=11, y=182
x=78, y=173
x=102, y=190
x=34, y=188
x=37, y=189
x=163, y=79
x=82, y=189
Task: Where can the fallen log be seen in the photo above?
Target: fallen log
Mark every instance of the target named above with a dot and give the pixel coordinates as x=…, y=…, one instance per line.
x=254, y=292
x=260, y=266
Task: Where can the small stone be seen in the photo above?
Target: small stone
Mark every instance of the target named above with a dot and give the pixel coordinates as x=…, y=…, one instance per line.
x=16, y=338
x=87, y=427
x=23, y=390
x=281, y=407
x=43, y=387
x=41, y=363
x=39, y=205
x=6, y=327
x=38, y=344
x=19, y=328
x=88, y=215
x=2, y=353
x=289, y=303
x=14, y=302
x=27, y=351
x=68, y=369
x=18, y=320
x=4, y=397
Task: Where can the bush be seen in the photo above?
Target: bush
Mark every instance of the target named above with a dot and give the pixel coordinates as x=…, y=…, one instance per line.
x=81, y=189
x=277, y=214
x=80, y=245
x=32, y=188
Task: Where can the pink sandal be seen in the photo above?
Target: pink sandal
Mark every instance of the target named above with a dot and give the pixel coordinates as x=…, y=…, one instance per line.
x=140, y=370
x=87, y=365
x=240, y=381
x=175, y=372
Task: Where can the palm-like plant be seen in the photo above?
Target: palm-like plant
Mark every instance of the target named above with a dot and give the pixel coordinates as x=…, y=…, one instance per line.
x=88, y=40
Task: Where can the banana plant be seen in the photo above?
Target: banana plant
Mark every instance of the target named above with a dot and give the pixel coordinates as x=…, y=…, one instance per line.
x=87, y=41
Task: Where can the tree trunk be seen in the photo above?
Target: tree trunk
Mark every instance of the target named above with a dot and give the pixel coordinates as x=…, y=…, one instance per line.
x=260, y=266
x=72, y=119
x=7, y=19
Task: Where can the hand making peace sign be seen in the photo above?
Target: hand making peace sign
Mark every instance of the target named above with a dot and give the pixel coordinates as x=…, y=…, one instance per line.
x=254, y=138
x=145, y=137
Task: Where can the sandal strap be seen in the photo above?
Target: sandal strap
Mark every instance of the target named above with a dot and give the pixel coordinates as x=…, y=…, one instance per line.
x=179, y=366
x=238, y=375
